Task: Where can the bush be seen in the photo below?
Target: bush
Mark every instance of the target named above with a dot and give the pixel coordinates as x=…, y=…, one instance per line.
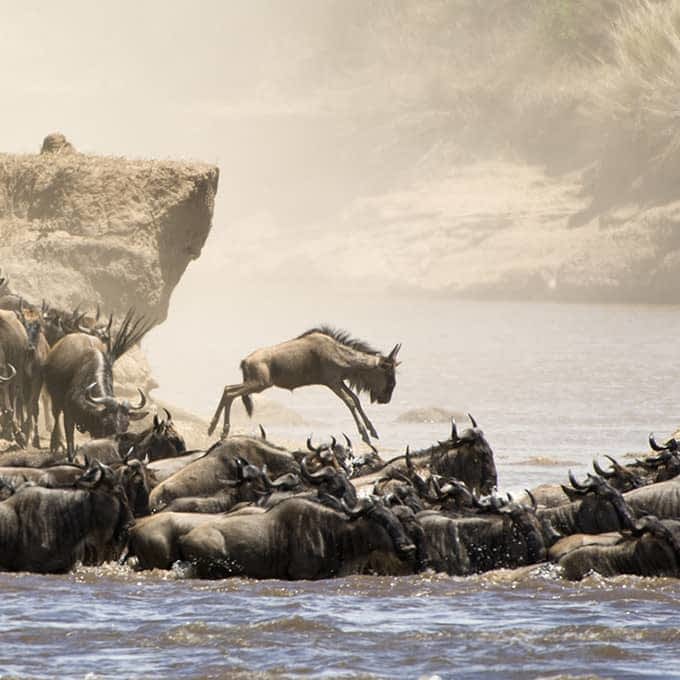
x=639, y=100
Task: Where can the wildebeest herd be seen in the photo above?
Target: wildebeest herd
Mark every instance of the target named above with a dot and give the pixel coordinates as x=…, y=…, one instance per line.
x=248, y=507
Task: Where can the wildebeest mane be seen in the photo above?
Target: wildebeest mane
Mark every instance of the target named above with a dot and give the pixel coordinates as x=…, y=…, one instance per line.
x=343, y=337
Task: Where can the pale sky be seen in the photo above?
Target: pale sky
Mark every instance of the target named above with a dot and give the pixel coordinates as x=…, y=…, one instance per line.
x=133, y=78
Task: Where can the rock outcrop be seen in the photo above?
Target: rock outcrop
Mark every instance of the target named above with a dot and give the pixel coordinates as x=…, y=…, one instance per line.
x=79, y=229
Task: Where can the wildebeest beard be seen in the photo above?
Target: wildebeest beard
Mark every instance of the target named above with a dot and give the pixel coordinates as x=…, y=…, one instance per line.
x=379, y=383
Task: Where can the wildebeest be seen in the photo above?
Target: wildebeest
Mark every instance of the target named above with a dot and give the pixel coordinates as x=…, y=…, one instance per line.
x=205, y=476
x=8, y=426
x=79, y=379
x=14, y=344
x=153, y=539
x=500, y=535
x=651, y=547
x=34, y=368
x=320, y=356
x=300, y=539
x=661, y=499
x=246, y=487
x=160, y=440
x=49, y=530
x=596, y=507
x=467, y=457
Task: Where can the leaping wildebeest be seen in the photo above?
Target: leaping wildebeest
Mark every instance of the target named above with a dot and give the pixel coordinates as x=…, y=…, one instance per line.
x=320, y=356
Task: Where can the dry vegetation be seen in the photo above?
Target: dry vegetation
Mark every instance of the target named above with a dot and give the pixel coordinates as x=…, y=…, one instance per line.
x=519, y=148
x=546, y=80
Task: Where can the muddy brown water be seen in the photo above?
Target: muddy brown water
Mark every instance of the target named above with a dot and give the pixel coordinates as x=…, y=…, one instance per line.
x=551, y=385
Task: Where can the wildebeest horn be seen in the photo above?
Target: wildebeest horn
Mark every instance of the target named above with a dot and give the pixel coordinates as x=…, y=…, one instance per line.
x=600, y=471
x=374, y=449
x=395, y=350
x=407, y=456
x=532, y=498
x=263, y=433
x=12, y=371
x=128, y=455
x=348, y=440
x=310, y=446
x=142, y=403
x=361, y=508
x=454, y=430
x=614, y=462
x=574, y=483
x=472, y=420
x=168, y=415
x=654, y=445
x=334, y=442
x=82, y=329
x=98, y=401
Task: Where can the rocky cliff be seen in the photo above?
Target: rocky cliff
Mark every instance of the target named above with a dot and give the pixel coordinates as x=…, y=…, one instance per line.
x=79, y=229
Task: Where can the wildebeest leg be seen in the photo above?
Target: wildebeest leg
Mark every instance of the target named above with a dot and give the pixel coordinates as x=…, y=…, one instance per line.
x=338, y=391
x=359, y=408
x=56, y=441
x=230, y=393
x=35, y=416
x=221, y=405
x=69, y=431
x=45, y=398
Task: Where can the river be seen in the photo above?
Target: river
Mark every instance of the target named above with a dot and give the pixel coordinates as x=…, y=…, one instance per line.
x=551, y=385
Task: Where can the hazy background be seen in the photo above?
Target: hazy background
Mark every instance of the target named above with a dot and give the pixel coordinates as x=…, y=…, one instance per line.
x=363, y=146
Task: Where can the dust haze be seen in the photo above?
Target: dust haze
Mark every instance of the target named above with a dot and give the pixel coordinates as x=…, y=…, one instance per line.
x=373, y=151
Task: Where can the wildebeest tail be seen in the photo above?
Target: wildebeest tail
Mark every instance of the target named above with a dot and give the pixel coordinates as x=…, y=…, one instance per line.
x=248, y=403
x=131, y=331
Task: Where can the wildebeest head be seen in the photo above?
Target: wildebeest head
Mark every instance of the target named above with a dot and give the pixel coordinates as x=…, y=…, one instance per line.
x=114, y=415
x=92, y=326
x=32, y=322
x=619, y=476
x=53, y=324
x=134, y=480
x=384, y=379
x=110, y=504
x=602, y=506
x=527, y=530
x=161, y=440
x=466, y=456
x=663, y=466
x=336, y=454
x=330, y=481
x=374, y=510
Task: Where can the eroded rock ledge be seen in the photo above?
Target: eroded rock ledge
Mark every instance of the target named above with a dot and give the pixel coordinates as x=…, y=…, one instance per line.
x=80, y=229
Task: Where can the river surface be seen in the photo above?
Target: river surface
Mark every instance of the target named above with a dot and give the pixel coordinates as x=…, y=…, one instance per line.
x=551, y=385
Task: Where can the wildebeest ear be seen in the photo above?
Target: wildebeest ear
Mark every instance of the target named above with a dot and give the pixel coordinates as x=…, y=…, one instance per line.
x=138, y=415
